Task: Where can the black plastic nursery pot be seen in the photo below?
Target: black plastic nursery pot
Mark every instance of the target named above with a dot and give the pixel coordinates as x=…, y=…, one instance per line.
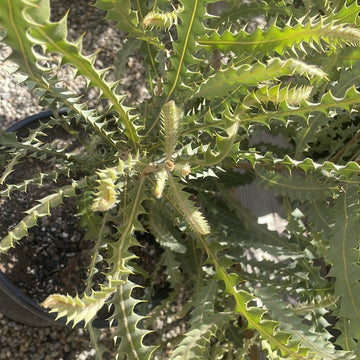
x=14, y=303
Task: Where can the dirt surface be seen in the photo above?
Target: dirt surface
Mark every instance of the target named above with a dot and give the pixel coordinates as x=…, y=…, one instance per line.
x=52, y=256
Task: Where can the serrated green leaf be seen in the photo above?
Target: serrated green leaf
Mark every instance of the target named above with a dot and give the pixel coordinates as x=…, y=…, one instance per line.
x=344, y=256
x=128, y=330
x=190, y=27
x=295, y=186
x=181, y=202
x=43, y=209
x=305, y=109
x=280, y=40
x=247, y=76
x=77, y=309
x=121, y=12
x=249, y=10
x=204, y=324
x=347, y=13
x=314, y=339
x=164, y=233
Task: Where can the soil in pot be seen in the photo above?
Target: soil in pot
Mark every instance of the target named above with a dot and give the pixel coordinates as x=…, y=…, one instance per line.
x=50, y=259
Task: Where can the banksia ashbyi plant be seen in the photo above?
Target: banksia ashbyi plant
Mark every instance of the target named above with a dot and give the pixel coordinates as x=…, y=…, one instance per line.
x=170, y=165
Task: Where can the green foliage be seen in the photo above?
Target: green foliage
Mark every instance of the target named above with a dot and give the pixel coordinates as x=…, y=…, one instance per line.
x=170, y=165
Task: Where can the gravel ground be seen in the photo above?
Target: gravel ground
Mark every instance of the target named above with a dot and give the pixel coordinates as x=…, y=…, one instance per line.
x=18, y=341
